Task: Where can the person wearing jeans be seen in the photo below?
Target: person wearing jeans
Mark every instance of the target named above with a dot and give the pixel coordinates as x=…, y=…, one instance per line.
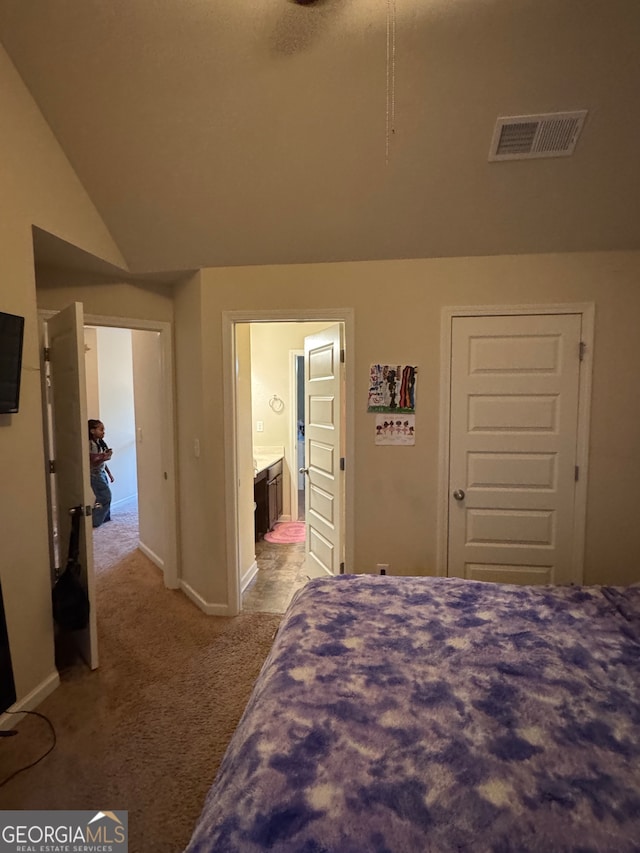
x=99, y=454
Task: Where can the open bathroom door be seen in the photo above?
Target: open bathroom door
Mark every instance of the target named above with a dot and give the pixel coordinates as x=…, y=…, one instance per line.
x=324, y=492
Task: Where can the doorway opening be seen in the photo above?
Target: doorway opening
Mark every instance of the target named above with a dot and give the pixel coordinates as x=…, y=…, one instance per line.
x=277, y=415
x=122, y=378
x=135, y=401
x=261, y=433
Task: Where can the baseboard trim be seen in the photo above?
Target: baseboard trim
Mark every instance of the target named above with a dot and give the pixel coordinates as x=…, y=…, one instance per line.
x=159, y=562
x=248, y=576
x=30, y=701
x=207, y=607
x=116, y=504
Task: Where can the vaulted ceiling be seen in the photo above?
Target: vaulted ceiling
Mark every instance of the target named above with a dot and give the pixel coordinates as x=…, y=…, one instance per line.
x=226, y=132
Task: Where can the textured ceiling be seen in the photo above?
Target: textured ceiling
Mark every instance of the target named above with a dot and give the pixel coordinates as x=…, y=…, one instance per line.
x=225, y=132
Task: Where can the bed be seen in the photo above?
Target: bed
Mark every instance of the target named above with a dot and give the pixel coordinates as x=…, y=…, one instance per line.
x=407, y=715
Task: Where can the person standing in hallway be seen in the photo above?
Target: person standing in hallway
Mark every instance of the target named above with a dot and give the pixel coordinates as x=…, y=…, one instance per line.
x=99, y=455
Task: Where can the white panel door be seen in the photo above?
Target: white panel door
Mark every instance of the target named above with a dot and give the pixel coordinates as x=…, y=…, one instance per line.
x=65, y=333
x=323, y=441
x=513, y=442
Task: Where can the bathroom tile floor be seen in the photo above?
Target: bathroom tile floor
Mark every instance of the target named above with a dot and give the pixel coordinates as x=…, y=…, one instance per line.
x=280, y=574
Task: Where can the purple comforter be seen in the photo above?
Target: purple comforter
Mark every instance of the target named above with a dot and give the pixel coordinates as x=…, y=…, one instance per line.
x=409, y=715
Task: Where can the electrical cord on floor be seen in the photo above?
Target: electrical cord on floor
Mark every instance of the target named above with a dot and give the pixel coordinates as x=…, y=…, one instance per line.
x=13, y=732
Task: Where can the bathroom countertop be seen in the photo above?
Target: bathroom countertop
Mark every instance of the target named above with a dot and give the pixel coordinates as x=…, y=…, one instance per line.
x=265, y=457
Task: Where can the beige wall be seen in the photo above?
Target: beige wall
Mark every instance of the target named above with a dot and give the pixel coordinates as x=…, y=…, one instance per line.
x=91, y=371
x=397, y=307
x=37, y=187
x=110, y=399
x=201, y=502
x=115, y=387
x=148, y=399
x=57, y=289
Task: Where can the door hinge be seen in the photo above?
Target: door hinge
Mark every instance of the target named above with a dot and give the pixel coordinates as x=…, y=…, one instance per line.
x=52, y=466
x=342, y=356
x=576, y=473
x=341, y=568
x=342, y=463
x=46, y=353
x=581, y=350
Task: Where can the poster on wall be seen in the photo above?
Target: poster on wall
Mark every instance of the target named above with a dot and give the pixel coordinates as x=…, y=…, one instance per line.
x=392, y=388
x=398, y=429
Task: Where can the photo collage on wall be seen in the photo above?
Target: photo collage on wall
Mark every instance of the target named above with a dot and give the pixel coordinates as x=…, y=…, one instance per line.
x=392, y=397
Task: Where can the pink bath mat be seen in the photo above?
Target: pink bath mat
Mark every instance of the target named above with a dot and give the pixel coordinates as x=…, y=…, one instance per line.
x=286, y=533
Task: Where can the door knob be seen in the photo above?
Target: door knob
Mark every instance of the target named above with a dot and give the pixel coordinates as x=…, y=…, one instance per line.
x=459, y=495
x=303, y=470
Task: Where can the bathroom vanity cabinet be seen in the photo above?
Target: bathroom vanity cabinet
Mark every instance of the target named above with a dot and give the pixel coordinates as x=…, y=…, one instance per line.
x=267, y=494
x=274, y=492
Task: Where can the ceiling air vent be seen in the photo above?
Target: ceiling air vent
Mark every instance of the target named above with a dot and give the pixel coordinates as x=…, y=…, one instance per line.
x=527, y=137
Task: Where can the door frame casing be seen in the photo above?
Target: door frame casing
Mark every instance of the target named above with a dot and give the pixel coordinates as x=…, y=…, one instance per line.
x=587, y=312
x=294, y=354
x=300, y=315
x=167, y=430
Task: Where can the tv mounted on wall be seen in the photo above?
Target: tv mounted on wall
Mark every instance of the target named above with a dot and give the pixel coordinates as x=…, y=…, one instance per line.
x=11, y=336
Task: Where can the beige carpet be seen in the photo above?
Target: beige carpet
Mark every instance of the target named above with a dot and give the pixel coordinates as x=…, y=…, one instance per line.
x=147, y=730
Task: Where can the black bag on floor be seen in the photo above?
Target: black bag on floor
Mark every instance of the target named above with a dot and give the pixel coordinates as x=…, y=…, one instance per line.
x=69, y=597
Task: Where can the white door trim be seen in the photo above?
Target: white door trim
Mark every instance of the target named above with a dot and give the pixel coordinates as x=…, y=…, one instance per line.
x=587, y=310
x=293, y=423
x=167, y=437
x=301, y=315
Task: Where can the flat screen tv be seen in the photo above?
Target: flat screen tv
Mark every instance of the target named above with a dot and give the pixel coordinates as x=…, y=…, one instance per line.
x=11, y=335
